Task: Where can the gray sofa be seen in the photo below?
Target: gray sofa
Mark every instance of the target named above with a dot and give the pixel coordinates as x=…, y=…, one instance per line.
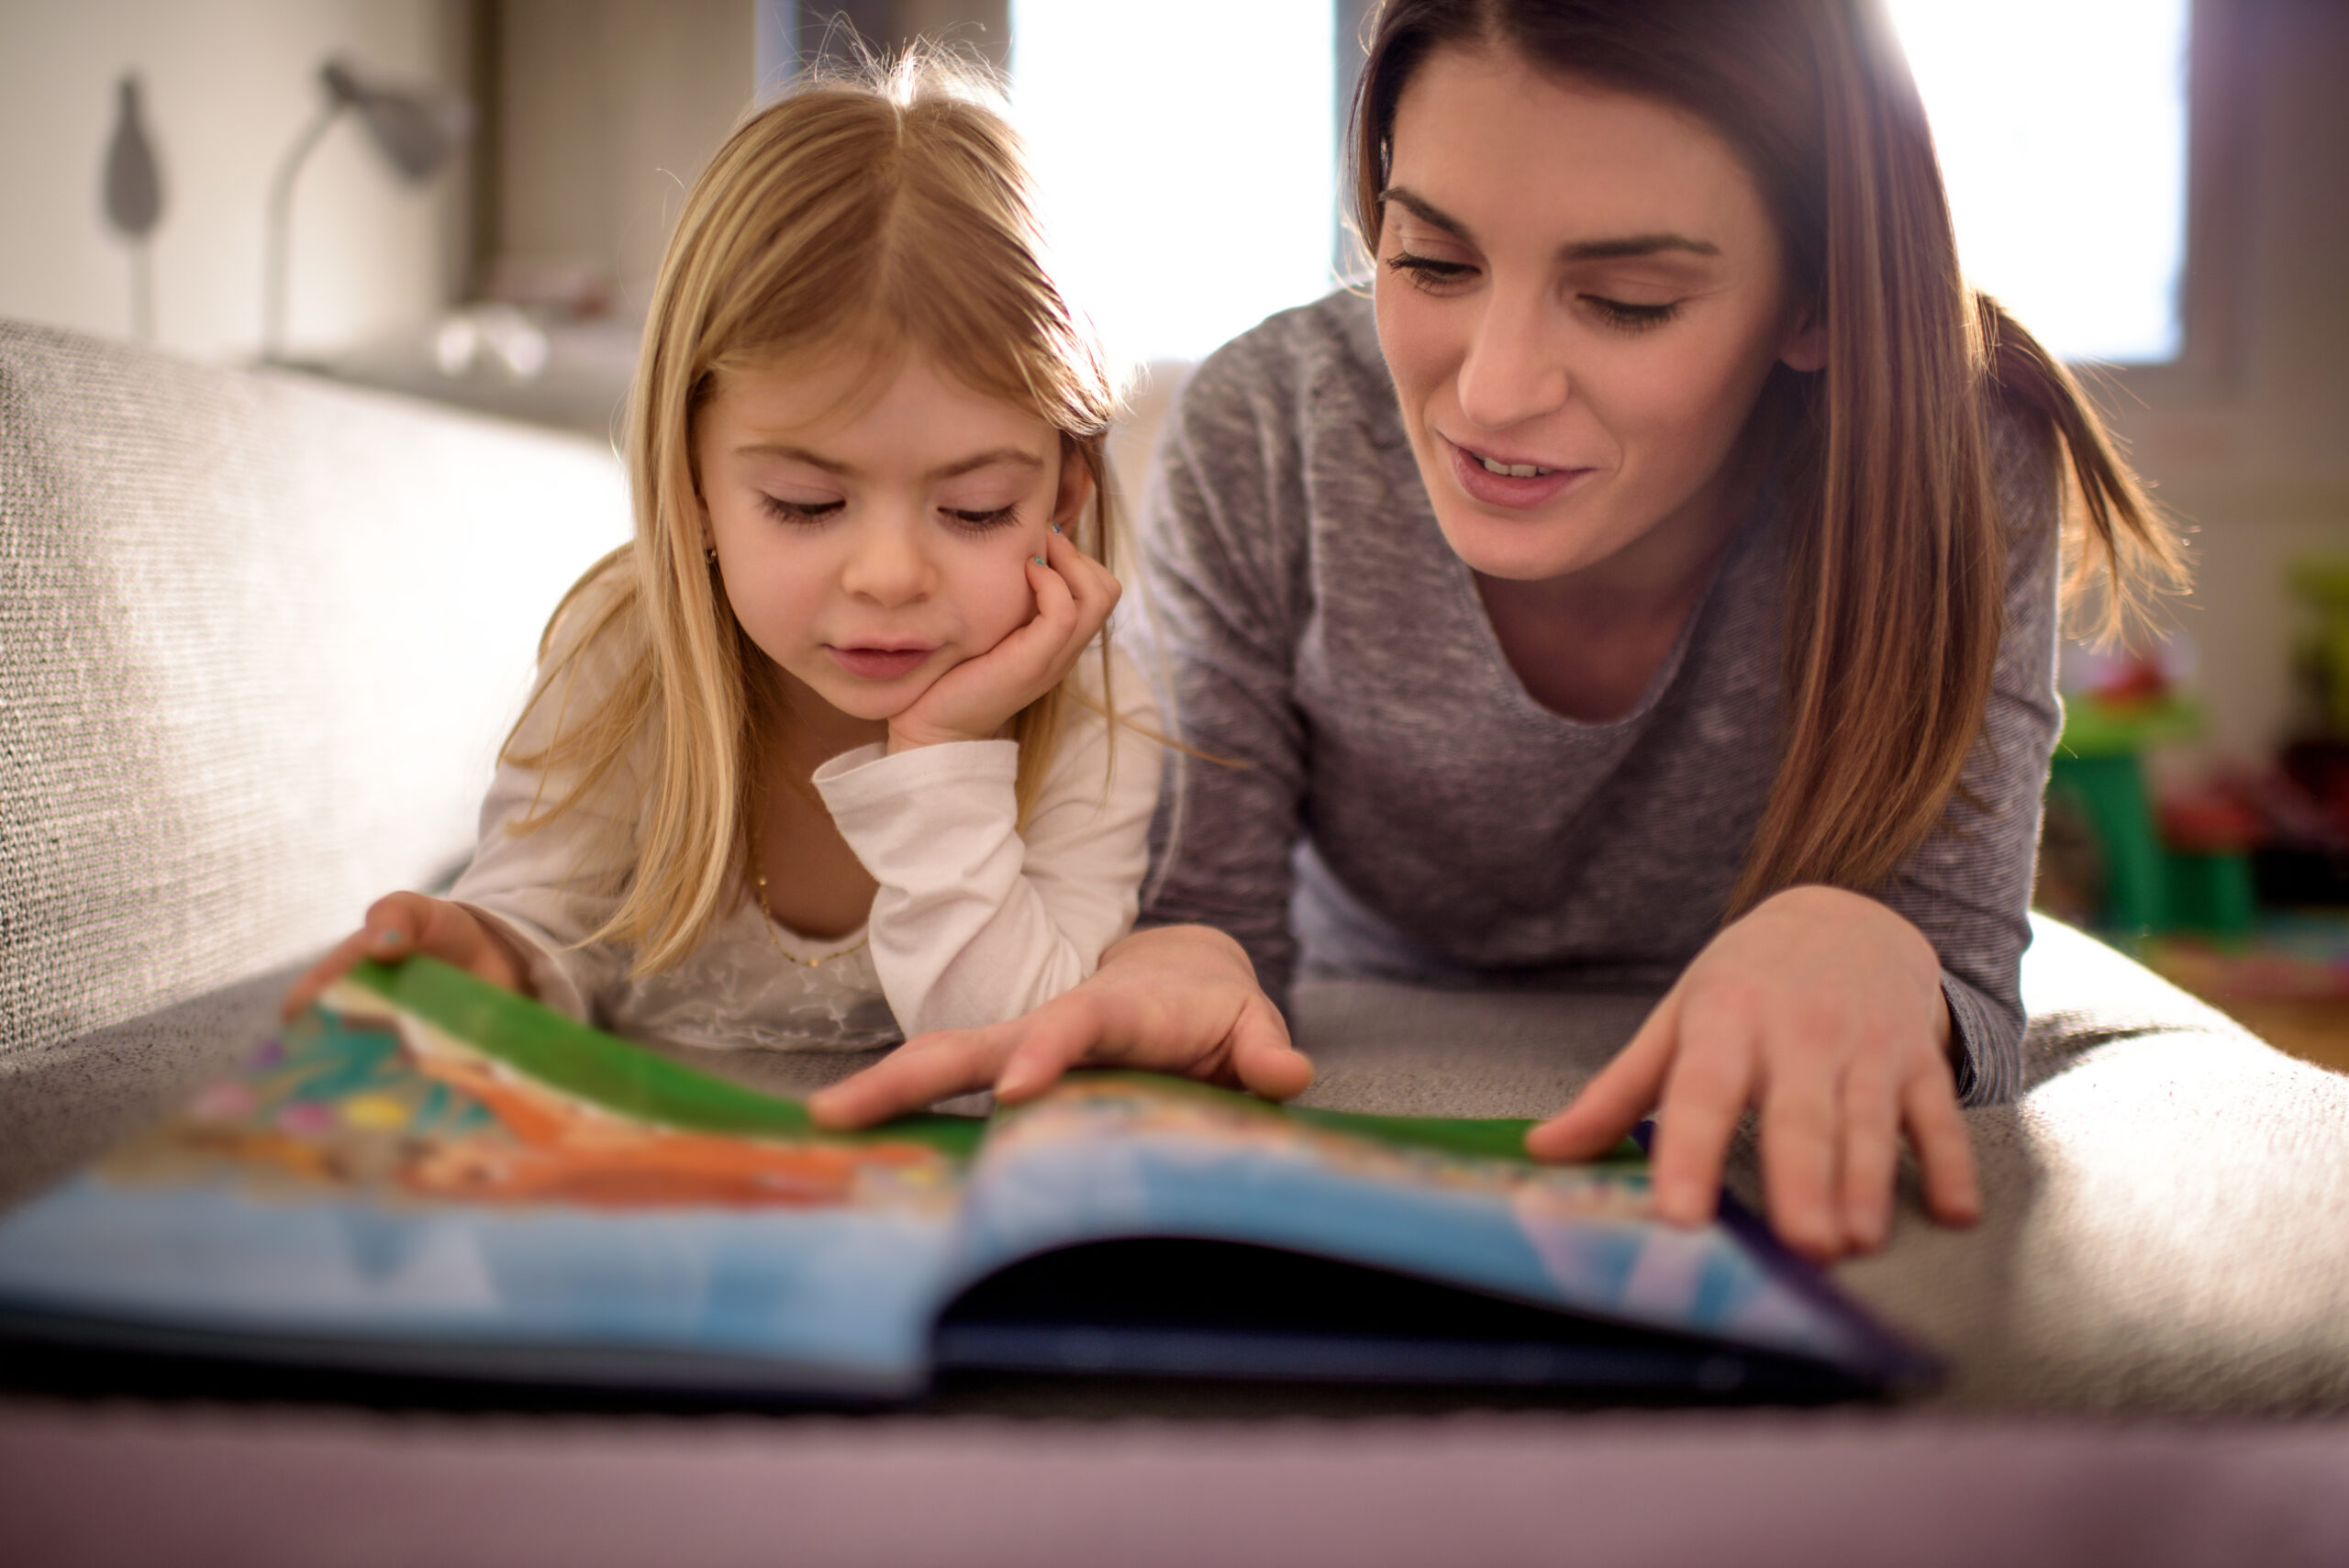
x=258, y=640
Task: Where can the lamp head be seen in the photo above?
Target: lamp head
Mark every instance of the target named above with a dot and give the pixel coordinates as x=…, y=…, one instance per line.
x=416, y=129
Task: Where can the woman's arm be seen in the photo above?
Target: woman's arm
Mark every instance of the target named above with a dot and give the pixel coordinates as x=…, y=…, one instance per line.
x=1849, y=1021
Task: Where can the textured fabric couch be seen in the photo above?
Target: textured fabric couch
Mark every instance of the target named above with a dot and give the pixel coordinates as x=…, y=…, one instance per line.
x=259, y=638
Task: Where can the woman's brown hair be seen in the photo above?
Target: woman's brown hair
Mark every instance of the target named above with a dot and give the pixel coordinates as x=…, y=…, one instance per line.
x=1898, y=560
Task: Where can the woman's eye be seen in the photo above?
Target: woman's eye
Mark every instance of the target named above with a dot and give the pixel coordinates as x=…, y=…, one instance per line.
x=1426, y=272
x=800, y=511
x=983, y=522
x=1628, y=316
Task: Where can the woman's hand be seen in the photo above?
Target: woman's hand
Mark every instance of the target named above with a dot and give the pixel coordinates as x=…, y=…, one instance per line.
x=413, y=922
x=1178, y=999
x=974, y=700
x=1824, y=1009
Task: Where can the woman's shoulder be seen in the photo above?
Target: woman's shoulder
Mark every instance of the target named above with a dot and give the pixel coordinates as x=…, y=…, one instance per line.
x=2024, y=450
x=1297, y=361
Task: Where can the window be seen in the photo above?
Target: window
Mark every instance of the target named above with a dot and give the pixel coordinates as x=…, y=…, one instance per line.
x=2061, y=125
x=1190, y=154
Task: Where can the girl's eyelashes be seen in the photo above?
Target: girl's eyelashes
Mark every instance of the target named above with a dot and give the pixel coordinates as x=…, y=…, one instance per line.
x=983, y=522
x=798, y=511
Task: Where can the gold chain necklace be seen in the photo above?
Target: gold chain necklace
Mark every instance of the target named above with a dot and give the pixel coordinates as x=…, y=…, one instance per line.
x=759, y=879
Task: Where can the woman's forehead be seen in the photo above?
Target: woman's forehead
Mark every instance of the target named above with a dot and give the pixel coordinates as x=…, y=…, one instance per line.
x=1488, y=140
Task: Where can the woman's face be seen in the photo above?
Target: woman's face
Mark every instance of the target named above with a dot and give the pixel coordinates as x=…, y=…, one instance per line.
x=1579, y=297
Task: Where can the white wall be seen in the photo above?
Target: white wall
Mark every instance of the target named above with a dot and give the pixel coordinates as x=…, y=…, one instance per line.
x=230, y=84
x=610, y=109
x=2248, y=441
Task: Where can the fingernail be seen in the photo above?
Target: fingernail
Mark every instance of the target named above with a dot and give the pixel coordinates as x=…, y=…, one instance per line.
x=387, y=938
x=1037, y=559
x=1056, y=528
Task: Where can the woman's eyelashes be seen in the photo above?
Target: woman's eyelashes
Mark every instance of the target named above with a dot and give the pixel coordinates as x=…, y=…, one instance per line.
x=1426, y=271
x=1627, y=316
x=1436, y=276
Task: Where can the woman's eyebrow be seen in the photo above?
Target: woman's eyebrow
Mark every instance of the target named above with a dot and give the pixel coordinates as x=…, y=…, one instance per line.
x=1630, y=245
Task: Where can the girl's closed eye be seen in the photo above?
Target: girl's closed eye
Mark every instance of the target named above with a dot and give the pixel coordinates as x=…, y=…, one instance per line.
x=798, y=511
x=983, y=520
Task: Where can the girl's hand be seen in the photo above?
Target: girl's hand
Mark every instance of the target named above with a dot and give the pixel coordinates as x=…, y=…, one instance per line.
x=412, y=922
x=974, y=700
x=1824, y=1009
x=1178, y=999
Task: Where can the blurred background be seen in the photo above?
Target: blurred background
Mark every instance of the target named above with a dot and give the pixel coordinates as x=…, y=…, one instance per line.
x=470, y=206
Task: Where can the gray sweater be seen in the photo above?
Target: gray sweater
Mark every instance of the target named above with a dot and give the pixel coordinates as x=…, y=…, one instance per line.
x=1402, y=807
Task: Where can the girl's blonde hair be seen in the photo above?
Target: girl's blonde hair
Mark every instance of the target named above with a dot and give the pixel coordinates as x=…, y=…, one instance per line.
x=885, y=209
x=1898, y=562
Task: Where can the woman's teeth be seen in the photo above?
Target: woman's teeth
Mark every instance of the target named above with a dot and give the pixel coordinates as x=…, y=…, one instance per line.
x=1513, y=470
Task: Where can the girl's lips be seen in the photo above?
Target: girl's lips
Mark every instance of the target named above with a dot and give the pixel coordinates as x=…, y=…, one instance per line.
x=879, y=663
x=1482, y=484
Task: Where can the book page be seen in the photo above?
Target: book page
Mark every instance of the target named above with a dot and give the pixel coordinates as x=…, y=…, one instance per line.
x=369, y=1177
x=1112, y=1155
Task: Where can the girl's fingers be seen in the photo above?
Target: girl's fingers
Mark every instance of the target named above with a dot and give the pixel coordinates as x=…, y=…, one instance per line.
x=923, y=1071
x=1944, y=1147
x=1712, y=1074
x=1801, y=1146
x=1264, y=1059
x=391, y=930
x=1611, y=1104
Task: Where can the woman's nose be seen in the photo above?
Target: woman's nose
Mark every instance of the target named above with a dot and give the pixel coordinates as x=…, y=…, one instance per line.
x=1515, y=368
x=887, y=562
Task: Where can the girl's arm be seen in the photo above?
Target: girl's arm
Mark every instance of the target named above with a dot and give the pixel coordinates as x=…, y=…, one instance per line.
x=976, y=920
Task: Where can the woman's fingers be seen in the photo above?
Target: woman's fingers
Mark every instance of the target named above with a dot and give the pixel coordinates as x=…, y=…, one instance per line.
x=1944, y=1148
x=1871, y=1151
x=1802, y=1124
x=1611, y=1104
x=1704, y=1094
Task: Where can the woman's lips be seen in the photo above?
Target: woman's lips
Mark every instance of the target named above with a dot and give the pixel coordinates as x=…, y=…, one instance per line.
x=878, y=664
x=1481, y=484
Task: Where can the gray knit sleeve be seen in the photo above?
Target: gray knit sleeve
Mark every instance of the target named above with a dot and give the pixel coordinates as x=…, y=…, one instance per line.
x=1223, y=527
x=1967, y=886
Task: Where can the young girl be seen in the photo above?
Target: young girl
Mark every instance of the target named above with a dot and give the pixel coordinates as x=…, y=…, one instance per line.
x=828, y=754
x=1654, y=581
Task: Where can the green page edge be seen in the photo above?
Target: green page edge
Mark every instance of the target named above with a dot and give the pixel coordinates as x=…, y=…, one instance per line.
x=604, y=1070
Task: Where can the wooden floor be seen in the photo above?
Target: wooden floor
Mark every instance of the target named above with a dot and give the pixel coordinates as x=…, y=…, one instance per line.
x=2313, y=1031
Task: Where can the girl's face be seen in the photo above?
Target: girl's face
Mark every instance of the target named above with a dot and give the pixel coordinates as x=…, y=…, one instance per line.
x=869, y=543
x=1579, y=297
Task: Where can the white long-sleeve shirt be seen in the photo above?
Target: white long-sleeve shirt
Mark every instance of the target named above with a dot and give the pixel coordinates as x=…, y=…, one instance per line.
x=976, y=920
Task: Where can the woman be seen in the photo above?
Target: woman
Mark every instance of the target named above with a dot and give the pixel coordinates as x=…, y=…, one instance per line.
x=1656, y=578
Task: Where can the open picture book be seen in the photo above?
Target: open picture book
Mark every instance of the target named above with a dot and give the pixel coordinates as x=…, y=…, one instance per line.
x=428, y=1176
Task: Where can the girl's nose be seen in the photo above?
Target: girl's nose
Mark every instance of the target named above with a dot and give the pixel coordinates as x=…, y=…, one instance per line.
x=1515, y=367
x=887, y=562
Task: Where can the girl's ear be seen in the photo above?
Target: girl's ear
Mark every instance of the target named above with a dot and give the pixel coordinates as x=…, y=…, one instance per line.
x=1805, y=347
x=1076, y=487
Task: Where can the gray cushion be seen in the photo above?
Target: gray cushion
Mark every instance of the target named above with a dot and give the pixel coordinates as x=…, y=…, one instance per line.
x=259, y=638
